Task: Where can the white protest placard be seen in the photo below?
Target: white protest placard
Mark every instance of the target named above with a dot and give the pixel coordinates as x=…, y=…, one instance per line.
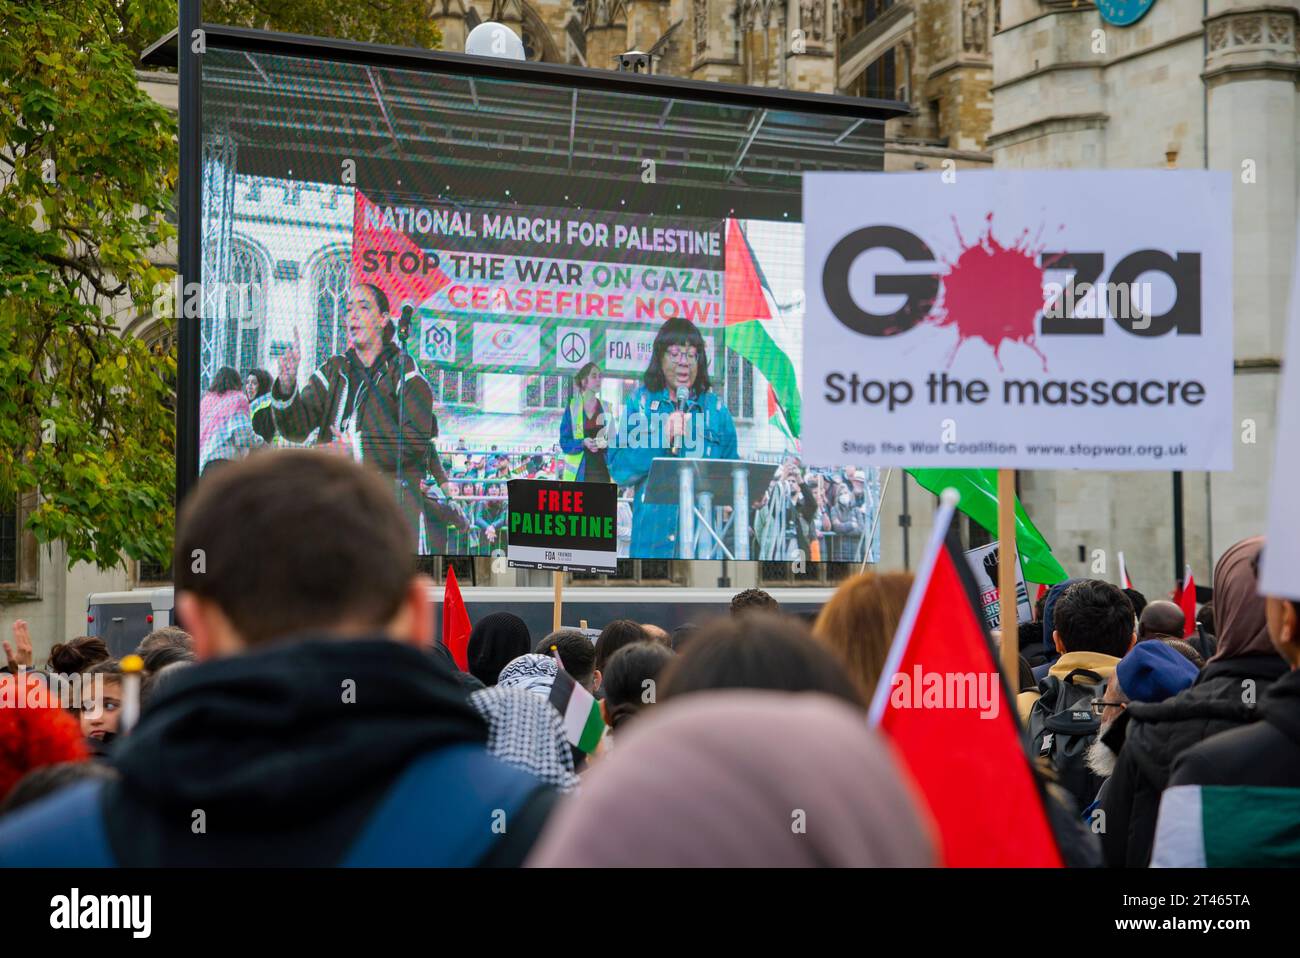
x=1280, y=573
x=1042, y=319
x=983, y=562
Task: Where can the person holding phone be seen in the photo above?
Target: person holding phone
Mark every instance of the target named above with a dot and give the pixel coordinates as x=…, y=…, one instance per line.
x=371, y=403
x=582, y=430
x=674, y=412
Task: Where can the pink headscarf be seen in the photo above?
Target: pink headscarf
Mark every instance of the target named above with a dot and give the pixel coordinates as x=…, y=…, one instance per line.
x=743, y=778
x=217, y=409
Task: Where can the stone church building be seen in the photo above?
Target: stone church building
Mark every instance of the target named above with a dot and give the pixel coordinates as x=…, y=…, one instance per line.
x=933, y=55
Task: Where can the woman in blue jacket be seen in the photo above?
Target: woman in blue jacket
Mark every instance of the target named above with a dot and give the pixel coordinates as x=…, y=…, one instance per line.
x=652, y=428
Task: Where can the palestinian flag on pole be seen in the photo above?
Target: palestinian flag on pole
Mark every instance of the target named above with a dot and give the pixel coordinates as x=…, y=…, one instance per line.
x=751, y=316
x=1222, y=826
x=943, y=704
x=371, y=235
x=1124, y=581
x=578, y=708
x=977, y=490
x=1185, y=596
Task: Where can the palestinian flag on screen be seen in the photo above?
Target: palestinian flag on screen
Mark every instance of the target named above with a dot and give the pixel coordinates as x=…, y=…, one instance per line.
x=776, y=416
x=370, y=234
x=1222, y=826
x=750, y=313
x=578, y=709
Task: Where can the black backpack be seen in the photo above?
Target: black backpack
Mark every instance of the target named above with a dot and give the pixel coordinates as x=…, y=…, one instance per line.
x=1062, y=726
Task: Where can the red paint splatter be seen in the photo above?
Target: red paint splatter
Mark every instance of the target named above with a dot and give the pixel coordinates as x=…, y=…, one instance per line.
x=992, y=292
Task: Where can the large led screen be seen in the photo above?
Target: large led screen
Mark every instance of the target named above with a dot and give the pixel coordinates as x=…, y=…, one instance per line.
x=464, y=279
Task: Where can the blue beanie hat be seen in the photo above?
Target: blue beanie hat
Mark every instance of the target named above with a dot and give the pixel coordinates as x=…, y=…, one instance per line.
x=1152, y=672
x=1049, y=614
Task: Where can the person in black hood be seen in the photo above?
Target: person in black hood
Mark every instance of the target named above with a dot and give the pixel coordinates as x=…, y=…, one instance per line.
x=370, y=403
x=1256, y=769
x=316, y=730
x=495, y=641
x=1223, y=697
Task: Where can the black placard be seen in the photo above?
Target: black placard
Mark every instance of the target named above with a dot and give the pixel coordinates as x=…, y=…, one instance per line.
x=563, y=526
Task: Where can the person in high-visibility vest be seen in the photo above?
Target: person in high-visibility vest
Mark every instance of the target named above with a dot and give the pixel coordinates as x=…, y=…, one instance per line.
x=582, y=430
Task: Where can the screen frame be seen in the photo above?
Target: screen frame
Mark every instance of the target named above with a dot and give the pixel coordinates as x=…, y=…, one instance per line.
x=170, y=50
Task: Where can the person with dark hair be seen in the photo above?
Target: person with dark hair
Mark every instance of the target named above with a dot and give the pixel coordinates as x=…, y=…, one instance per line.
x=225, y=421
x=673, y=413
x=1092, y=629
x=101, y=704
x=631, y=678
x=45, y=780
x=1255, y=773
x=1161, y=619
x=712, y=780
x=753, y=600
x=1205, y=618
x=169, y=636
x=1222, y=698
x=614, y=636
x=318, y=731
x=371, y=403
x=577, y=655
x=583, y=435
x=76, y=655
x=1030, y=637
x=682, y=635
x=257, y=386
x=760, y=650
x=1137, y=600
x=495, y=641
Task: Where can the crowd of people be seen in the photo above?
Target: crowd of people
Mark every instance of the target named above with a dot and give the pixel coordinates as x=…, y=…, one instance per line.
x=309, y=715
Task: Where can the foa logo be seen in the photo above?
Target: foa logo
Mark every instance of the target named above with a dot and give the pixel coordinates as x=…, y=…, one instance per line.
x=77, y=911
x=995, y=292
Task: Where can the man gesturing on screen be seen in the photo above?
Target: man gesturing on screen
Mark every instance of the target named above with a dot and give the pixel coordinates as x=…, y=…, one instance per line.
x=370, y=403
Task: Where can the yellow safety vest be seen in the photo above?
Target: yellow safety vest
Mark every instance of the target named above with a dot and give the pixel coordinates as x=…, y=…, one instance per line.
x=572, y=461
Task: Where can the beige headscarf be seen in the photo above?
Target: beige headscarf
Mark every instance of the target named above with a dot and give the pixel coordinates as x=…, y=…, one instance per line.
x=1238, y=606
x=743, y=778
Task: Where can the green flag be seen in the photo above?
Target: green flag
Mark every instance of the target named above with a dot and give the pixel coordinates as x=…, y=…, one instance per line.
x=979, y=500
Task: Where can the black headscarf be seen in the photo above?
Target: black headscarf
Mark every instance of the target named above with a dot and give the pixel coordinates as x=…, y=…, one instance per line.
x=496, y=640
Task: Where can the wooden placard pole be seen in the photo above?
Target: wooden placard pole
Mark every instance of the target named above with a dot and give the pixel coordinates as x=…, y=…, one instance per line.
x=557, y=578
x=1007, y=556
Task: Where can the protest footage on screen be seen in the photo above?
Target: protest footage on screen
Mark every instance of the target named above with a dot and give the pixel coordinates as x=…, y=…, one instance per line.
x=458, y=327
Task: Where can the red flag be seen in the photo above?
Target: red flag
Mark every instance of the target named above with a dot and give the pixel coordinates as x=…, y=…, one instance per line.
x=455, y=622
x=942, y=703
x=406, y=273
x=1187, y=599
x=1042, y=591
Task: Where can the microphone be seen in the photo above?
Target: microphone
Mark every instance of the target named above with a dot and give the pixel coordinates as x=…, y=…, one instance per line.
x=679, y=404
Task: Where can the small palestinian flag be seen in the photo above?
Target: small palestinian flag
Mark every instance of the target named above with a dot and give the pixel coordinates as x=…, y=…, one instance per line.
x=1185, y=596
x=579, y=710
x=1221, y=826
x=1124, y=581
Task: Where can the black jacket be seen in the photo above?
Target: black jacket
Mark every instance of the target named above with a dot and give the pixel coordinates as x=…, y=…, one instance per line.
x=309, y=753
x=1265, y=753
x=1157, y=733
